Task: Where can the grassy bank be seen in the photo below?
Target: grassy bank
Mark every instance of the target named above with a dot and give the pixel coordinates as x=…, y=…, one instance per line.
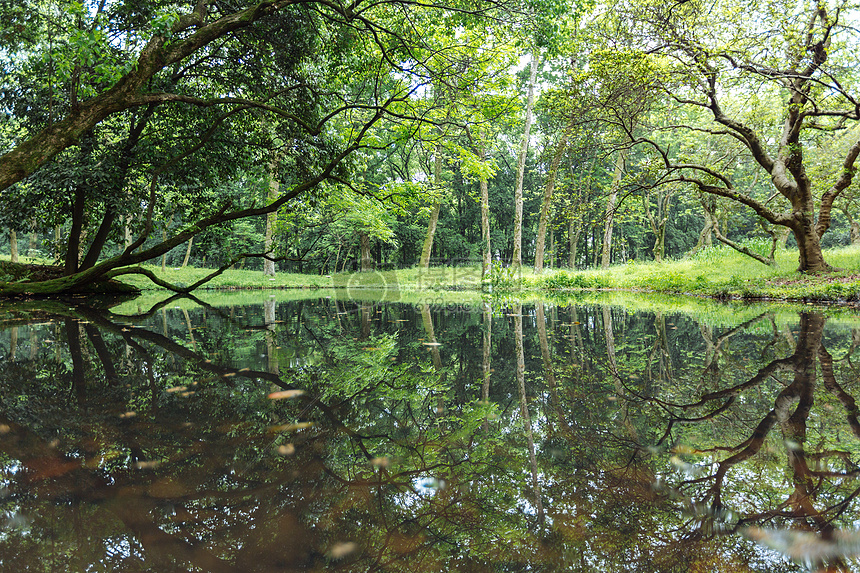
x=718, y=272
x=715, y=272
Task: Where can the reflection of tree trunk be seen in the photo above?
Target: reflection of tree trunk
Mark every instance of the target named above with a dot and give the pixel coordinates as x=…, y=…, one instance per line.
x=13, y=342
x=103, y=354
x=436, y=356
x=34, y=343
x=73, y=334
x=660, y=351
x=190, y=329
x=549, y=373
x=366, y=310
x=485, y=358
x=269, y=318
x=610, y=348
x=524, y=408
x=427, y=320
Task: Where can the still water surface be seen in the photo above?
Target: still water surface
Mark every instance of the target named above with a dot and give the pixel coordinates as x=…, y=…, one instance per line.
x=324, y=435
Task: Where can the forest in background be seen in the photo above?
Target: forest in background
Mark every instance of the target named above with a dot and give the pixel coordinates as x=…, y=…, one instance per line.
x=317, y=137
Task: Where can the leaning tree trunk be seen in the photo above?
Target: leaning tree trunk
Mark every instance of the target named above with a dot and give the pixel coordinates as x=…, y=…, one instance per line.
x=427, y=249
x=517, y=259
x=187, y=253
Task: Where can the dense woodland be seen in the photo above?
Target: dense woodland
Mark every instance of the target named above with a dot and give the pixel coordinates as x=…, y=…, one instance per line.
x=317, y=137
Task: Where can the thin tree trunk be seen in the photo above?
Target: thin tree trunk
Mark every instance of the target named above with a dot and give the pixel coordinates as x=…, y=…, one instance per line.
x=485, y=221
x=573, y=232
x=187, y=252
x=517, y=259
x=560, y=148
x=610, y=208
x=13, y=246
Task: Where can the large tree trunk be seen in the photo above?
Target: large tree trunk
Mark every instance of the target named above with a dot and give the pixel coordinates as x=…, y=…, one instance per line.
x=366, y=257
x=810, y=256
x=560, y=148
x=13, y=246
x=517, y=259
x=610, y=208
x=271, y=218
x=709, y=209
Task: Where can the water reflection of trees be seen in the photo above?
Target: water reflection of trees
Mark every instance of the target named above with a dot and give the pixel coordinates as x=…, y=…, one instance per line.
x=733, y=441
x=408, y=456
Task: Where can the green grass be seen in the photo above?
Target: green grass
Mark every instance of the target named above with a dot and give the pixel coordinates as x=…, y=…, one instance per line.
x=715, y=272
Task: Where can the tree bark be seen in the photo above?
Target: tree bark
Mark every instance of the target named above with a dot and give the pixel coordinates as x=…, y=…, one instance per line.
x=100, y=239
x=517, y=258
x=13, y=246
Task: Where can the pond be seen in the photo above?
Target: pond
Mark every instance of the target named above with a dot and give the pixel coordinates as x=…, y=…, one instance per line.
x=340, y=435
